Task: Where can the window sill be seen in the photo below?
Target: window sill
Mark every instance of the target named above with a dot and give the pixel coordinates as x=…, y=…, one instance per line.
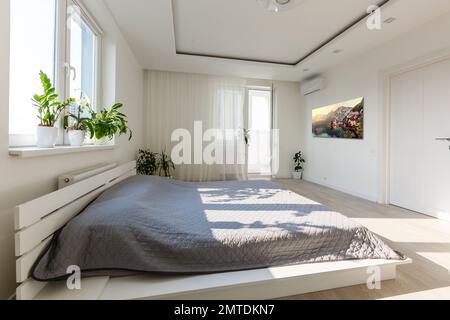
x=33, y=152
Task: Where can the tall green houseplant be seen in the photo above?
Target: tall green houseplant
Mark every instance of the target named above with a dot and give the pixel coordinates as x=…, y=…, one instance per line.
x=49, y=109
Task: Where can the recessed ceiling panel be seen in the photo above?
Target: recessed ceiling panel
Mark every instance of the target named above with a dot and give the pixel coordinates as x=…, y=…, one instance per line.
x=148, y=27
x=244, y=30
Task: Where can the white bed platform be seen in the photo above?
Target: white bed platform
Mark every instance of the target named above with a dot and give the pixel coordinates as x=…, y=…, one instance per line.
x=37, y=220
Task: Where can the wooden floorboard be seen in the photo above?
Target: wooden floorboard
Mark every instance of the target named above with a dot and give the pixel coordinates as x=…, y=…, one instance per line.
x=426, y=240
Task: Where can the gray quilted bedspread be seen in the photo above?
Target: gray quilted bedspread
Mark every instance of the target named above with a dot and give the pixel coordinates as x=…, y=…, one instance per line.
x=150, y=224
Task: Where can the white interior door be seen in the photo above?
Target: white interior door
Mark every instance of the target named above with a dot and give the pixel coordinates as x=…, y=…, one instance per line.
x=437, y=153
x=406, y=141
x=420, y=164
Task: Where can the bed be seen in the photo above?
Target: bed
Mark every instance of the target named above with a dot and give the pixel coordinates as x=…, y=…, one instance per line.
x=136, y=237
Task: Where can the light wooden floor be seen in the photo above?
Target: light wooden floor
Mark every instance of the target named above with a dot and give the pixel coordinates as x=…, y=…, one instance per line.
x=425, y=240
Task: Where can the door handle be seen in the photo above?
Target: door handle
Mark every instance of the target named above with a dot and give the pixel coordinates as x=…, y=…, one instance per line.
x=69, y=70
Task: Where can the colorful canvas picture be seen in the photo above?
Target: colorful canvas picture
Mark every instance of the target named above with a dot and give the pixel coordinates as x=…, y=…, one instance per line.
x=343, y=120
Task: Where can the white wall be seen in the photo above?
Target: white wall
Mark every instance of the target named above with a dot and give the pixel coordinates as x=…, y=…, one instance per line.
x=289, y=120
x=354, y=166
x=25, y=179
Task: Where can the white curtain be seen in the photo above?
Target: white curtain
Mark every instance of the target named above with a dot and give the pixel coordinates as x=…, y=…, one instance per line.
x=177, y=101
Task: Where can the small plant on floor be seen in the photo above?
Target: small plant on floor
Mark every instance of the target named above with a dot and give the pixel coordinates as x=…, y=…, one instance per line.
x=165, y=164
x=147, y=162
x=299, y=162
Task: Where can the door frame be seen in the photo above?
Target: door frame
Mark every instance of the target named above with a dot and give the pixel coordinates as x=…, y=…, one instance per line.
x=385, y=78
x=271, y=90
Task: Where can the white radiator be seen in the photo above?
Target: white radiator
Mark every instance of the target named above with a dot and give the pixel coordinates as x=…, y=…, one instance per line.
x=79, y=175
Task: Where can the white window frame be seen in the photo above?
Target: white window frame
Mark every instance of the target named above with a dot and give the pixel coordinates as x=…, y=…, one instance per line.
x=66, y=67
x=62, y=70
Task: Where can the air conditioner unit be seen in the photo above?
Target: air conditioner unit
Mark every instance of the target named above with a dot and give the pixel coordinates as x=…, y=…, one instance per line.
x=312, y=86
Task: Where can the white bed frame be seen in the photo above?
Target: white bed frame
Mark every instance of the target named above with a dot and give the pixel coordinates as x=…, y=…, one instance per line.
x=36, y=221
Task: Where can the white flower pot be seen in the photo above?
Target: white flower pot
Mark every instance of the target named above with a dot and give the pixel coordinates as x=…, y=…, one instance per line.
x=297, y=175
x=76, y=137
x=46, y=137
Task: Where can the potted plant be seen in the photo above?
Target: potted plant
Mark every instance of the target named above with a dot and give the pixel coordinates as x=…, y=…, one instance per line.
x=165, y=164
x=49, y=110
x=147, y=163
x=299, y=163
x=76, y=124
x=107, y=123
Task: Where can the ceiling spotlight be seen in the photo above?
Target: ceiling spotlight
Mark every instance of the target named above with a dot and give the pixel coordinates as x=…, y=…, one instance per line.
x=390, y=20
x=279, y=5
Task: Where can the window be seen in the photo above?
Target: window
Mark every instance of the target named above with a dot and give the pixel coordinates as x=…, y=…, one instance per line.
x=32, y=48
x=260, y=125
x=81, y=56
x=60, y=38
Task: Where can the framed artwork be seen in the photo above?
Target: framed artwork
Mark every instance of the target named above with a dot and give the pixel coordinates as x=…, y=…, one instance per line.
x=344, y=120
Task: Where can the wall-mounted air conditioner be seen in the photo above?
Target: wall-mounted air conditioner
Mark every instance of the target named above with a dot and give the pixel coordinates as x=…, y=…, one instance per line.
x=312, y=85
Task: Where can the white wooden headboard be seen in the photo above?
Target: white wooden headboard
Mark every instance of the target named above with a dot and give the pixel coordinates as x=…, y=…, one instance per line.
x=36, y=221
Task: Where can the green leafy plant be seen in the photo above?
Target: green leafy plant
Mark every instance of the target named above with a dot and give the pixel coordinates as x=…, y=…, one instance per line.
x=77, y=120
x=107, y=123
x=48, y=108
x=299, y=161
x=165, y=164
x=147, y=162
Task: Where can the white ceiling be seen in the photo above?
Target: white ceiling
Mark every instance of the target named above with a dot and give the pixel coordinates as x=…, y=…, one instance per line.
x=242, y=29
x=236, y=28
